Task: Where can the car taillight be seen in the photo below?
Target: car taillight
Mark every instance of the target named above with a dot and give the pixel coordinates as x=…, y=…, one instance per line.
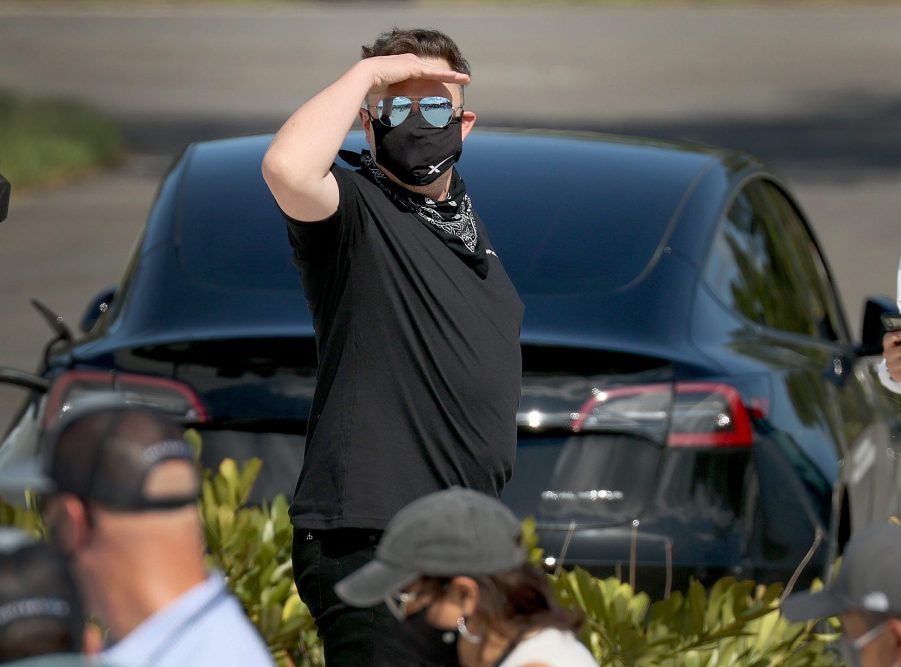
x=686, y=414
x=171, y=397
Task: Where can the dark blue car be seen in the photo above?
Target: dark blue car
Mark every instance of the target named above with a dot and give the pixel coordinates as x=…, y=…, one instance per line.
x=692, y=400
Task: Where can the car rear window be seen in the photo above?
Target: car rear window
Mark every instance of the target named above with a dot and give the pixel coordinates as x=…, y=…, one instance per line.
x=230, y=231
x=573, y=216
x=566, y=216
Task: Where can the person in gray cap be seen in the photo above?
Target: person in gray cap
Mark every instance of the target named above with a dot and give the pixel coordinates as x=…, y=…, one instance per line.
x=865, y=595
x=124, y=510
x=42, y=621
x=450, y=566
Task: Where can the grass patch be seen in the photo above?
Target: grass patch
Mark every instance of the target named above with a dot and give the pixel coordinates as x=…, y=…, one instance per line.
x=43, y=142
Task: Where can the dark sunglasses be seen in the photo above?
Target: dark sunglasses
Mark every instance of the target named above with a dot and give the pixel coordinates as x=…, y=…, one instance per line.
x=398, y=601
x=393, y=110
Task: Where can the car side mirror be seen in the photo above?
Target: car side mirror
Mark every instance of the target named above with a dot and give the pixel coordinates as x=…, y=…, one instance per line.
x=5, y=189
x=871, y=328
x=97, y=307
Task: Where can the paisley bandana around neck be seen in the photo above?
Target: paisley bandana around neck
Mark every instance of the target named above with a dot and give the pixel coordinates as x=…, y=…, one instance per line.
x=452, y=220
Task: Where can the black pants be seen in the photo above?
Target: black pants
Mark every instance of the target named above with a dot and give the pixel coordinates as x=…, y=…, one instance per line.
x=351, y=637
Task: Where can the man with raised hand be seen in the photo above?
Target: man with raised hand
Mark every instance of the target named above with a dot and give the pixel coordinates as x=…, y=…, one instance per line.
x=417, y=324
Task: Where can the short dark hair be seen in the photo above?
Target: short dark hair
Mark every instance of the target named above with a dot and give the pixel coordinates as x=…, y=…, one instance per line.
x=421, y=42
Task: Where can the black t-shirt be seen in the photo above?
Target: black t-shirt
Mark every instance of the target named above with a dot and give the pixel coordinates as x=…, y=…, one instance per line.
x=419, y=363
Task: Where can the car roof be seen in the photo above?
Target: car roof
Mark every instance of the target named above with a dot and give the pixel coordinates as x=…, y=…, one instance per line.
x=582, y=235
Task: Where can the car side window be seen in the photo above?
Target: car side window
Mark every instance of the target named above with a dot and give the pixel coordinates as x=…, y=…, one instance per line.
x=817, y=295
x=750, y=265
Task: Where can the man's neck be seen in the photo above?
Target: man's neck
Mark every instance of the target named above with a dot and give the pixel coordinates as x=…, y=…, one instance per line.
x=125, y=607
x=135, y=576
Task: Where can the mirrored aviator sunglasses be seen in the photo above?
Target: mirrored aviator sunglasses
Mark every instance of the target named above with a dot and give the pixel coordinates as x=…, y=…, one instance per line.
x=392, y=111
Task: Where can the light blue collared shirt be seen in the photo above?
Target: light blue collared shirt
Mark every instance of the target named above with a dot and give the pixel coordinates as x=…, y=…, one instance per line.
x=205, y=627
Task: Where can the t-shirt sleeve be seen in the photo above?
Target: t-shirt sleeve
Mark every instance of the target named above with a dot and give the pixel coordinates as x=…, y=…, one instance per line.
x=322, y=249
x=320, y=240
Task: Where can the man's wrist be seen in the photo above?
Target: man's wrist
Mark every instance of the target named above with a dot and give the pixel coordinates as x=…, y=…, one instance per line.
x=362, y=76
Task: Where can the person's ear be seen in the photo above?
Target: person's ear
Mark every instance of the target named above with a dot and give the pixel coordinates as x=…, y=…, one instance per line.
x=468, y=119
x=93, y=639
x=68, y=523
x=366, y=123
x=464, y=591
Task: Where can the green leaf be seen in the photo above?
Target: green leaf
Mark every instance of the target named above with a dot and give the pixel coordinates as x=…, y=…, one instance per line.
x=697, y=601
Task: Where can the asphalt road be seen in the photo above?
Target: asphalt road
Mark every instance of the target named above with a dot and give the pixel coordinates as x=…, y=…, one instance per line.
x=815, y=92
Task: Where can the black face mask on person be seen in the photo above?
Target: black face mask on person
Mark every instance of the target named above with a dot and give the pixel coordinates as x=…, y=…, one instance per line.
x=416, y=151
x=431, y=646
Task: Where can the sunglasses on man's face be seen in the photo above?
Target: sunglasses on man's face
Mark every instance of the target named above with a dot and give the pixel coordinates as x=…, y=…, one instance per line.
x=393, y=110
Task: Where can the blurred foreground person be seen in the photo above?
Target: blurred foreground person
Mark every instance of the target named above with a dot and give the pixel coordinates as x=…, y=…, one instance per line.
x=865, y=595
x=124, y=510
x=450, y=565
x=41, y=616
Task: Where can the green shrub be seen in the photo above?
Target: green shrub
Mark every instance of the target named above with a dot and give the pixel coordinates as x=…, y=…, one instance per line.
x=49, y=141
x=252, y=547
x=735, y=624
x=23, y=517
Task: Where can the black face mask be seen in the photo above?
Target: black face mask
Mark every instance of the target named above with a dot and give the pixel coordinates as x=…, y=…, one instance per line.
x=416, y=151
x=431, y=646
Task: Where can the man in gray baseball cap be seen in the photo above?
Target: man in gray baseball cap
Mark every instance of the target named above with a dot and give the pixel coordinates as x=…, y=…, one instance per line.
x=122, y=506
x=865, y=595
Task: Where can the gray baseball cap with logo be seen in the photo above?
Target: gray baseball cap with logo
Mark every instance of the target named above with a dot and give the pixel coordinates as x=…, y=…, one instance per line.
x=868, y=579
x=455, y=532
x=104, y=449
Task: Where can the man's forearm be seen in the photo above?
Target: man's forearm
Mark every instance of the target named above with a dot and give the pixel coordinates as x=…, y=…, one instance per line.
x=303, y=150
x=305, y=146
